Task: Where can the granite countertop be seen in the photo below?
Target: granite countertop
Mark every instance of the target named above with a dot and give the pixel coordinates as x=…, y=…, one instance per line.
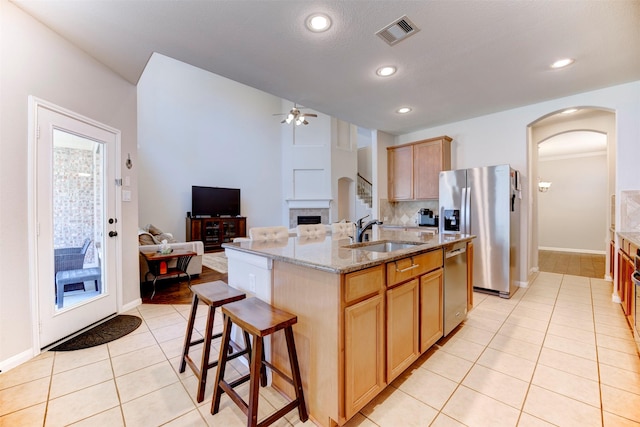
x=328, y=253
x=423, y=228
x=632, y=236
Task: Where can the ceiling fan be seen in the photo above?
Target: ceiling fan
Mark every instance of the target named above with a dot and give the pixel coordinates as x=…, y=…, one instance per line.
x=296, y=116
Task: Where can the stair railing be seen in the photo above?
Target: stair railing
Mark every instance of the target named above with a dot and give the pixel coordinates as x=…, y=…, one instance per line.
x=365, y=190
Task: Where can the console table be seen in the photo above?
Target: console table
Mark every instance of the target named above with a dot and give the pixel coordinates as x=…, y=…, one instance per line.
x=159, y=265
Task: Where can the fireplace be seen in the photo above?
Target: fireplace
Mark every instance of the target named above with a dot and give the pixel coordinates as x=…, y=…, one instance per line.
x=308, y=216
x=309, y=219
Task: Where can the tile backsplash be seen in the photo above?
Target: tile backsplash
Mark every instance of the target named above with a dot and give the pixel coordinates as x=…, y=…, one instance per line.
x=404, y=213
x=630, y=210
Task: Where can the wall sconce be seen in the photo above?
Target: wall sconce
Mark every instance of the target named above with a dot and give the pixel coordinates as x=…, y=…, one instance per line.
x=543, y=186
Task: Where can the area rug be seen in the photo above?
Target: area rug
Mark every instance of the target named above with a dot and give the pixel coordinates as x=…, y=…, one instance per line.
x=105, y=332
x=216, y=261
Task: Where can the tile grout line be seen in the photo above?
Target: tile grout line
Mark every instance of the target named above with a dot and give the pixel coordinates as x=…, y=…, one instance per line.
x=535, y=367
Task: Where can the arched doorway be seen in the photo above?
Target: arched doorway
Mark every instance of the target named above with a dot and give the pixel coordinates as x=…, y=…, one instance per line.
x=561, y=125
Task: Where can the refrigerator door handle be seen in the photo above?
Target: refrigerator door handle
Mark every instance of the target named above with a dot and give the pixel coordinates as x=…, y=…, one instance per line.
x=463, y=211
x=467, y=208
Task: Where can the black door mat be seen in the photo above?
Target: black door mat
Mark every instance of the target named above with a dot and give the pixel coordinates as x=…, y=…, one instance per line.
x=108, y=331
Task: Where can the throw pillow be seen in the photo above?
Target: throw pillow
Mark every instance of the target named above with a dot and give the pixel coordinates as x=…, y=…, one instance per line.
x=145, y=239
x=153, y=229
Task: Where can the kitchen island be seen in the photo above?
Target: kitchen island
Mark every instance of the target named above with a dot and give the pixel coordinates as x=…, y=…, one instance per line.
x=366, y=311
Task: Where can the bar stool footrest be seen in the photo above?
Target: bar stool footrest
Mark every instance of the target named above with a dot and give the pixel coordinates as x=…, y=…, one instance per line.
x=279, y=372
x=279, y=414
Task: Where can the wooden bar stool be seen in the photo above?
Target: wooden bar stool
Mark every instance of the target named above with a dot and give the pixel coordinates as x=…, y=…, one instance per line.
x=260, y=320
x=213, y=294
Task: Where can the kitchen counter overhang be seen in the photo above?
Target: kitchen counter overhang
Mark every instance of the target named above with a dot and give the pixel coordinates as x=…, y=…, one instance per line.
x=338, y=254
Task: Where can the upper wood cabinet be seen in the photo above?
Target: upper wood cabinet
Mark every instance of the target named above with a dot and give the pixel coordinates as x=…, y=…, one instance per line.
x=414, y=168
x=400, y=172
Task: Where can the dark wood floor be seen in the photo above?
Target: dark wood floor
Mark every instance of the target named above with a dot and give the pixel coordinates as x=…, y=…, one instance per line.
x=577, y=264
x=172, y=291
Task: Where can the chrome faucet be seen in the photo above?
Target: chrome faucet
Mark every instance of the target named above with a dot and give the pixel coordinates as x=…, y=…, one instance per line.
x=360, y=229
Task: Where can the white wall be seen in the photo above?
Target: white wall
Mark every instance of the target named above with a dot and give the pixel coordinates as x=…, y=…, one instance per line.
x=197, y=128
x=379, y=143
x=503, y=138
x=344, y=169
x=572, y=214
x=36, y=61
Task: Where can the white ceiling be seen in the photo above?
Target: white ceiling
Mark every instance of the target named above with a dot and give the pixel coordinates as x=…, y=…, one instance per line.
x=470, y=57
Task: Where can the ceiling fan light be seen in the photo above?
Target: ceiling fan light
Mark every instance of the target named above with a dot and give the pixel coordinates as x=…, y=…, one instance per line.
x=289, y=118
x=299, y=120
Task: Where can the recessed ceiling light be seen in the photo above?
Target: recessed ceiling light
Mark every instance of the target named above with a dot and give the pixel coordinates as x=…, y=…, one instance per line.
x=403, y=110
x=386, y=71
x=318, y=22
x=561, y=63
x=570, y=110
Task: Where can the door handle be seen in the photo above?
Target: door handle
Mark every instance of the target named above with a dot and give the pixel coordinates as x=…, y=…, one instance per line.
x=113, y=233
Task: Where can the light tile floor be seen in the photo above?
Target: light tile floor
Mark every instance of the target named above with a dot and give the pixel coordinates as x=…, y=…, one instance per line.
x=557, y=353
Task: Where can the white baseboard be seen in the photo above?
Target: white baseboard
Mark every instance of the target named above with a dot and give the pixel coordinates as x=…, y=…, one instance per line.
x=574, y=250
x=16, y=360
x=29, y=354
x=130, y=306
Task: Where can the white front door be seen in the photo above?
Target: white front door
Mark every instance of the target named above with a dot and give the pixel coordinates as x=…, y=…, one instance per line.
x=75, y=221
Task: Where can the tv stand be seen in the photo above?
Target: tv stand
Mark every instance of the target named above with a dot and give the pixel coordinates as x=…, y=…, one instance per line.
x=213, y=232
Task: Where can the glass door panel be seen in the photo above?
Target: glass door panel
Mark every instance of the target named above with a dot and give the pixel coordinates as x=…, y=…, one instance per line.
x=78, y=199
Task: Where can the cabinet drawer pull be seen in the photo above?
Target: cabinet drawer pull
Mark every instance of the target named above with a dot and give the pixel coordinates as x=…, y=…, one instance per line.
x=403, y=270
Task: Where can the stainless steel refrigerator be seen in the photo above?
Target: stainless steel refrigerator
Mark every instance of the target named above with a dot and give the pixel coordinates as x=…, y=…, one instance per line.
x=485, y=202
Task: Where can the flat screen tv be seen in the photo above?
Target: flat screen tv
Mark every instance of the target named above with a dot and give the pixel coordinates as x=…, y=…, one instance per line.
x=215, y=201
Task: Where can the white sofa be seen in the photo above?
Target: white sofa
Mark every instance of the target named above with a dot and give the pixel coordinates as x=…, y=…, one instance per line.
x=195, y=265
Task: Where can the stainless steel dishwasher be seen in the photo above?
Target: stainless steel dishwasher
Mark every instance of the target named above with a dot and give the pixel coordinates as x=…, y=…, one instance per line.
x=455, y=285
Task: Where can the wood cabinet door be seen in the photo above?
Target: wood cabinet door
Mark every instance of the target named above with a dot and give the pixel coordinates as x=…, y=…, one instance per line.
x=622, y=281
x=402, y=328
x=612, y=254
x=364, y=353
x=195, y=229
x=241, y=227
x=431, y=324
x=628, y=284
x=427, y=164
x=400, y=173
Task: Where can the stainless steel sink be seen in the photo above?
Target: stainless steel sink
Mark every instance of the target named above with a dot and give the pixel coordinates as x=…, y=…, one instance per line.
x=386, y=246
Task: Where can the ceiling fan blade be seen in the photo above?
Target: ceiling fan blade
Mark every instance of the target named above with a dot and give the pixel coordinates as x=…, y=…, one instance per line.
x=309, y=115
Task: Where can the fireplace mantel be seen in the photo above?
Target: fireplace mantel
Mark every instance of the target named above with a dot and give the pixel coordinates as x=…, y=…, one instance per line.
x=309, y=203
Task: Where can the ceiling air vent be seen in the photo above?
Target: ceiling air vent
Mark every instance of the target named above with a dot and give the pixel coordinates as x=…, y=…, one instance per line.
x=398, y=30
